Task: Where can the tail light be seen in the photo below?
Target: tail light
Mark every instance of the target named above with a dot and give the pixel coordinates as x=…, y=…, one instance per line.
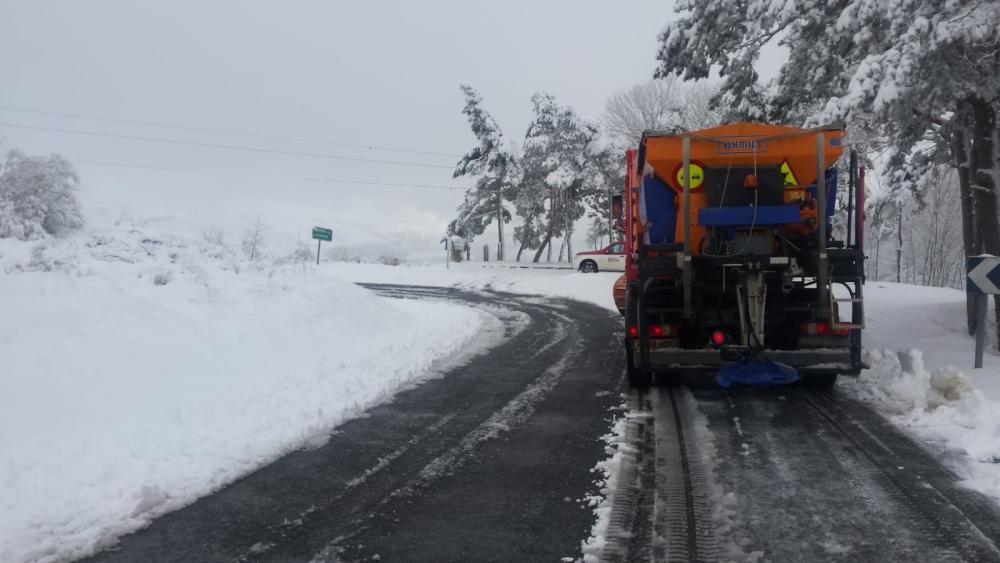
x=823, y=329
x=657, y=331
x=718, y=338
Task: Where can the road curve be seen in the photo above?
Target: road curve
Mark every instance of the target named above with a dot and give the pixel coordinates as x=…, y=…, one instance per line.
x=490, y=462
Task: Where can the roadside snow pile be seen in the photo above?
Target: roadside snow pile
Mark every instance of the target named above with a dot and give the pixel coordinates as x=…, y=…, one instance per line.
x=941, y=406
x=142, y=371
x=609, y=468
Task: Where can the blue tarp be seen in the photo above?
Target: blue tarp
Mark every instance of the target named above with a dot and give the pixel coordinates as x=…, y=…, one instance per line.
x=758, y=373
x=661, y=210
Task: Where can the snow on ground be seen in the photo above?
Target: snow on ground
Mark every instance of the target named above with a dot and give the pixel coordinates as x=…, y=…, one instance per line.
x=922, y=378
x=610, y=471
x=143, y=370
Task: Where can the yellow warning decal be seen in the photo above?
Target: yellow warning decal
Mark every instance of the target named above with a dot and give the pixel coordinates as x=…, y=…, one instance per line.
x=788, y=175
x=697, y=175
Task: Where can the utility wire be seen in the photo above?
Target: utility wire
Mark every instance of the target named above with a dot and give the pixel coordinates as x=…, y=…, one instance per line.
x=228, y=147
x=225, y=132
x=286, y=178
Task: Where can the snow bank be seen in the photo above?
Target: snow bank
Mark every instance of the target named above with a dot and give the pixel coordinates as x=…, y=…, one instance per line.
x=142, y=371
x=603, y=502
x=941, y=406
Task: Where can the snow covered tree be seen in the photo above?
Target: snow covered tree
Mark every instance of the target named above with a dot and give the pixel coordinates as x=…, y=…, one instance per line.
x=37, y=196
x=556, y=167
x=253, y=239
x=605, y=176
x=492, y=163
x=922, y=73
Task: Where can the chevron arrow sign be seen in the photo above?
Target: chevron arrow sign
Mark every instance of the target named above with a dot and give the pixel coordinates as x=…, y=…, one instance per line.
x=983, y=275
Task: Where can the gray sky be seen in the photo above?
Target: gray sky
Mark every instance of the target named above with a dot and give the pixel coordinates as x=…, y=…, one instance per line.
x=362, y=73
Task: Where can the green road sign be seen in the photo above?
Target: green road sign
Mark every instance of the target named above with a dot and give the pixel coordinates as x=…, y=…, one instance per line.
x=319, y=233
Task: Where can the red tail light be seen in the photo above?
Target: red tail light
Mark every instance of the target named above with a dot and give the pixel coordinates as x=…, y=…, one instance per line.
x=823, y=329
x=718, y=338
x=656, y=331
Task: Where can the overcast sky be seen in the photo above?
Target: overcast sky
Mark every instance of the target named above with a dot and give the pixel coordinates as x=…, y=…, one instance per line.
x=381, y=74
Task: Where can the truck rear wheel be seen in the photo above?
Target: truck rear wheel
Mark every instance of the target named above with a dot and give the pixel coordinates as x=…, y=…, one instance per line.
x=820, y=380
x=637, y=377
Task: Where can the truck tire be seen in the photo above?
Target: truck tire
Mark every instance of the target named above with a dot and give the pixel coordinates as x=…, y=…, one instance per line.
x=588, y=267
x=637, y=377
x=820, y=380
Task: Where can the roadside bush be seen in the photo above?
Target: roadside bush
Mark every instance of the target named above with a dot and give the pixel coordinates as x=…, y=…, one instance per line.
x=37, y=197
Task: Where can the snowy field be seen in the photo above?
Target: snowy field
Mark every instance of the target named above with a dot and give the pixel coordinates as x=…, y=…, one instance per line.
x=143, y=370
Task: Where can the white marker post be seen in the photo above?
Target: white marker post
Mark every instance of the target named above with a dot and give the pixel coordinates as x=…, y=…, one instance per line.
x=982, y=280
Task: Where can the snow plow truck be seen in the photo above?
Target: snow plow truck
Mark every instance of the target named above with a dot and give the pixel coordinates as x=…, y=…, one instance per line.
x=732, y=265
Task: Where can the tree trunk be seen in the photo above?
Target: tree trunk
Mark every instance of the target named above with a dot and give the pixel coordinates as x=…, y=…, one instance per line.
x=519, y=251
x=960, y=154
x=562, y=247
x=538, y=253
x=550, y=229
x=499, y=226
x=569, y=244
x=899, y=242
x=983, y=183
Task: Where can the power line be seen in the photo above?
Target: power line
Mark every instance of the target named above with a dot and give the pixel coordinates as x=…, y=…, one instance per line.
x=226, y=132
x=228, y=147
x=286, y=178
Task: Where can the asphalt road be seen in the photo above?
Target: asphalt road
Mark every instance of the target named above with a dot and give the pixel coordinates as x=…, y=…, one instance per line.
x=490, y=462
x=788, y=474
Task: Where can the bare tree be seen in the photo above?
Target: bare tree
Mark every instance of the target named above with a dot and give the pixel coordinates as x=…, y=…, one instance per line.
x=253, y=239
x=664, y=104
x=655, y=104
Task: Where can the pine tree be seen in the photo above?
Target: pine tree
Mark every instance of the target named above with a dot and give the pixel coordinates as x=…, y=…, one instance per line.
x=493, y=163
x=557, y=168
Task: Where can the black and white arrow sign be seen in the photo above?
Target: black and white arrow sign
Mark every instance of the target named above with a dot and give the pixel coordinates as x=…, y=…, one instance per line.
x=983, y=274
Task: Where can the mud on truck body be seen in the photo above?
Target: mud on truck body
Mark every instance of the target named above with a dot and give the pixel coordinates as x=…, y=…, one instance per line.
x=732, y=267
